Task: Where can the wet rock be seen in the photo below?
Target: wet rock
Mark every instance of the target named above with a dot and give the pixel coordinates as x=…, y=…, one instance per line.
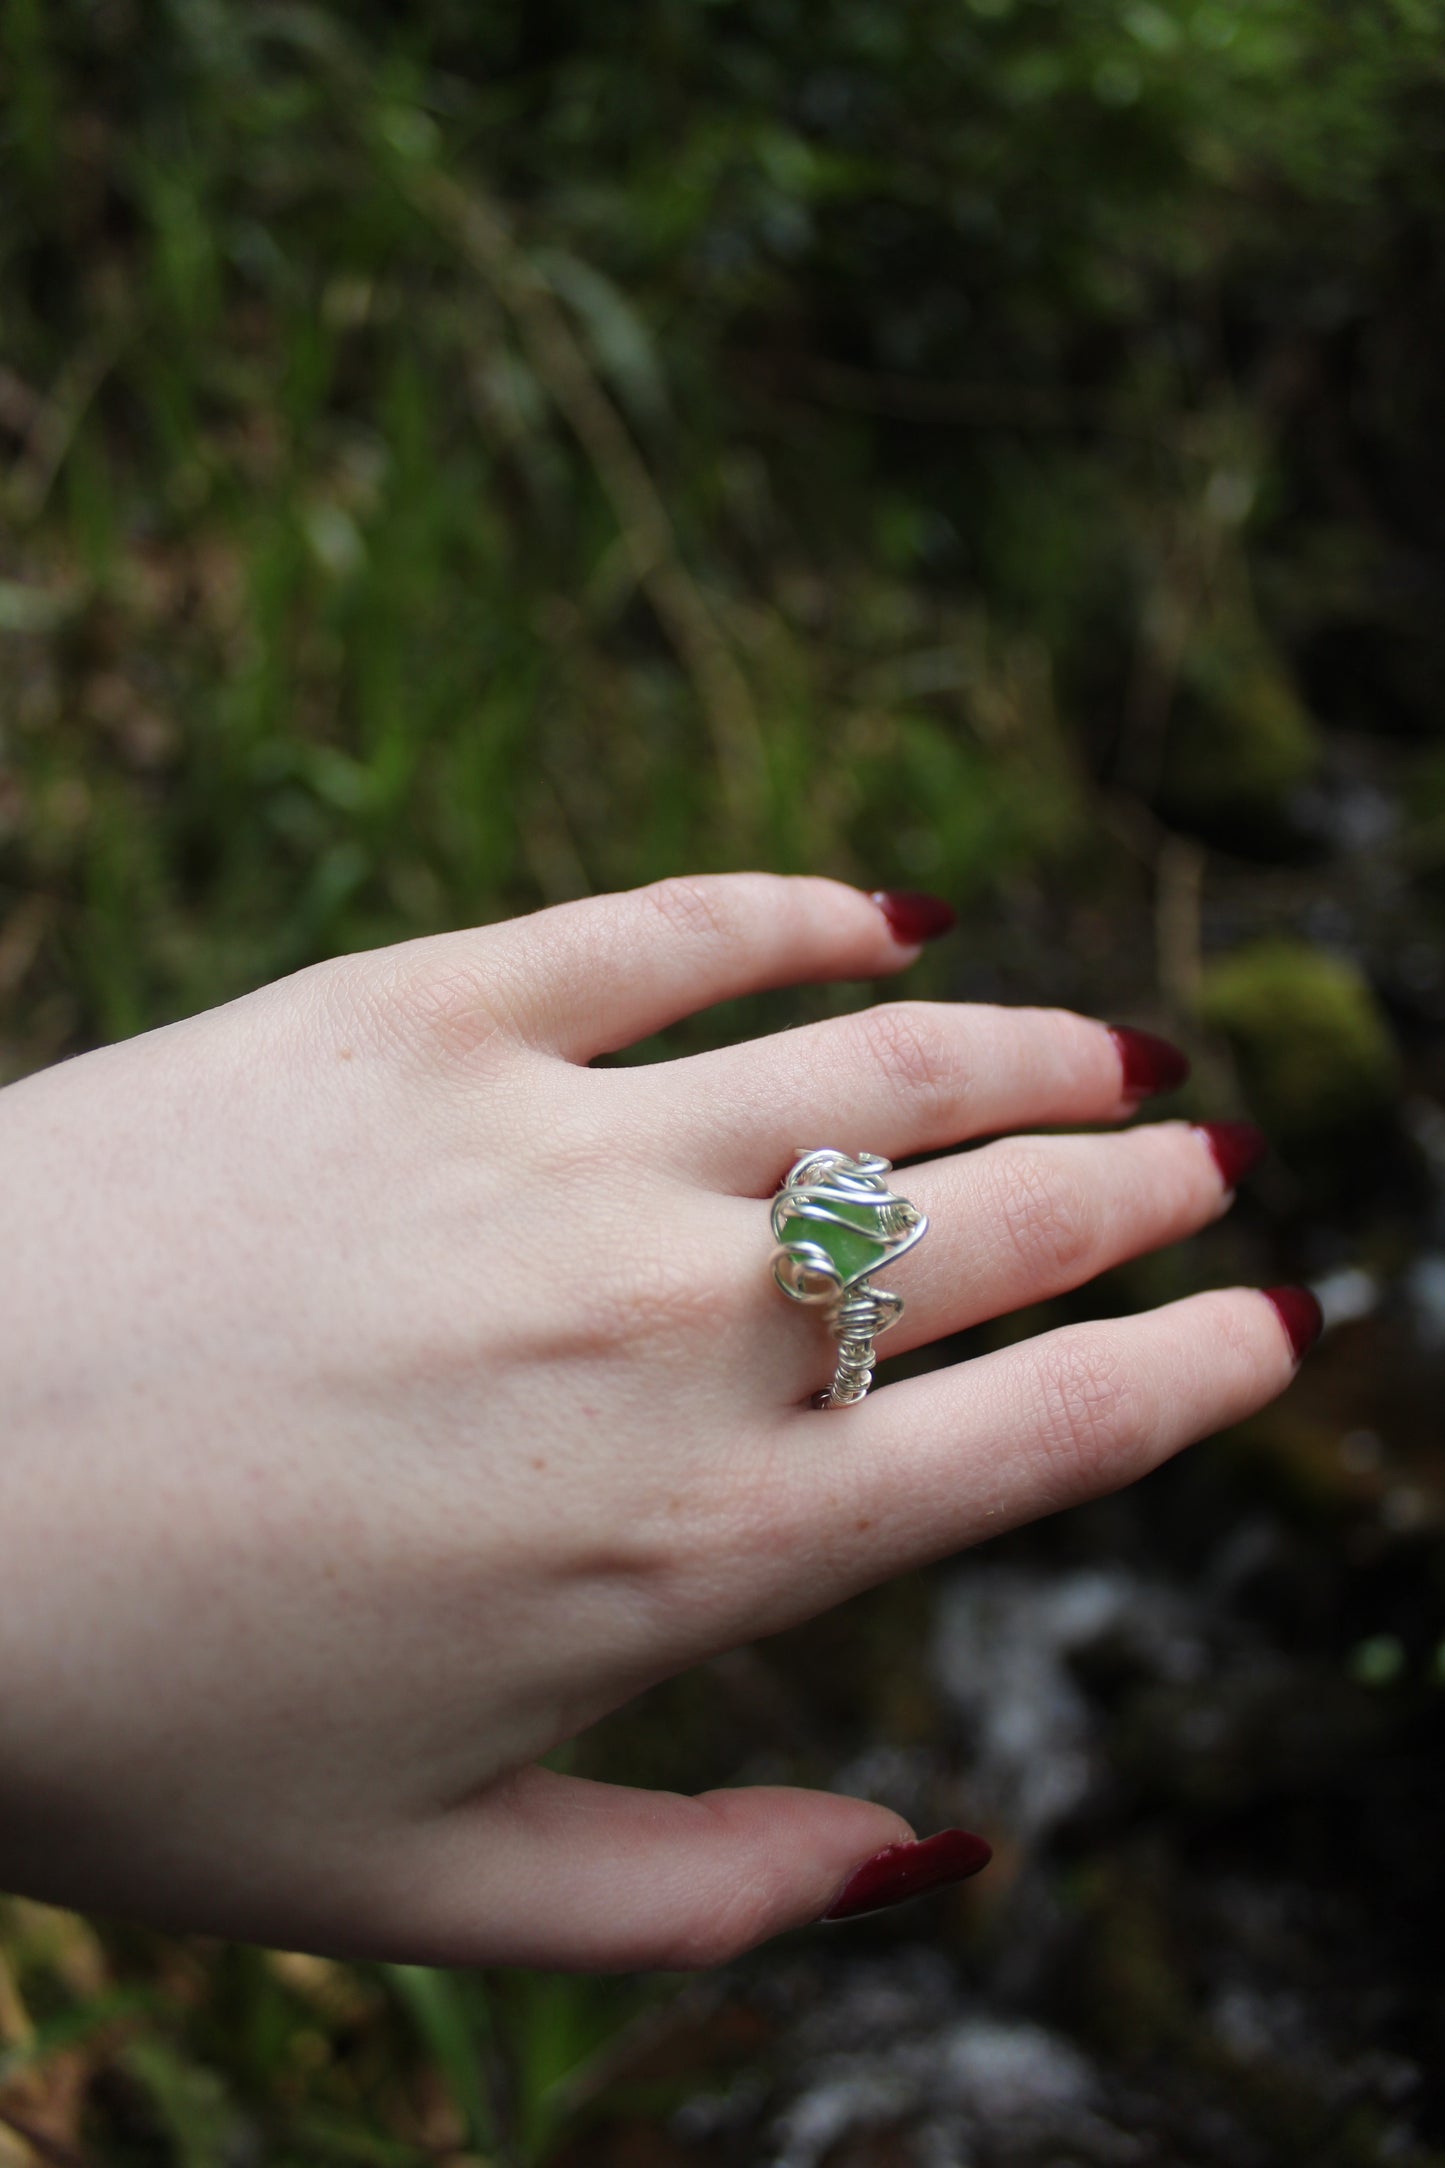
x=1315, y=1053
x=896, y=2049
x=1006, y=1651
x=1241, y=748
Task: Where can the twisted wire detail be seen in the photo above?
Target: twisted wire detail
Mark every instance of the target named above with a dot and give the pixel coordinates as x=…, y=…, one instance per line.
x=856, y=1320
x=834, y=1220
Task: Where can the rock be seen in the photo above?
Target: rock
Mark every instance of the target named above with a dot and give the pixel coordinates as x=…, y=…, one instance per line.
x=1241, y=746
x=1315, y=1052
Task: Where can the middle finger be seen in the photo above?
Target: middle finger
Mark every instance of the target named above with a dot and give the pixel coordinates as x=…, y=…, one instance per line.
x=903, y=1078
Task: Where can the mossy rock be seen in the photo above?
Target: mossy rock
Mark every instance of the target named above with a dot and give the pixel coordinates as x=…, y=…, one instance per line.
x=1241, y=745
x=1315, y=1052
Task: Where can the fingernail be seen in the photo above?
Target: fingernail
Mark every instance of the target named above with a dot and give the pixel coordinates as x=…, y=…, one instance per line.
x=1150, y=1065
x=902, y=1871
x=914, y=916
x=1236, y=1147
x=1300, y=1315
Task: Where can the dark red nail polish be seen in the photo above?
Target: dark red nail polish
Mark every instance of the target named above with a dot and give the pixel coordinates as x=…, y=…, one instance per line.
x=1300, y=1315
x=902, y=1871
x=1236, y=1146
x=1150, y=1065
x=914, y=916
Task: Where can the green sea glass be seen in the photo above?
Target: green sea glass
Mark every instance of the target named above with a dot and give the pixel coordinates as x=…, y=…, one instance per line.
x=854, y=1253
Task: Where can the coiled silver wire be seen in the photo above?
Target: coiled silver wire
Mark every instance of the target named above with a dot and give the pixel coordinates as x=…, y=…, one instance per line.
x=855, y=1311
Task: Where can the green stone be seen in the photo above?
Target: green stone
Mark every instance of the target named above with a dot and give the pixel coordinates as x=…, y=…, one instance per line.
x=853, y=1254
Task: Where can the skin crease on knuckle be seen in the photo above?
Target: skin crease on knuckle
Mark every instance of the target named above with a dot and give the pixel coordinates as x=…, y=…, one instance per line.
x=908, y=1043
x=456, y=1003
x=1089, y=1422
x=702, y=910
x=440, y=998
x=718, y=911
x=1045, y=1212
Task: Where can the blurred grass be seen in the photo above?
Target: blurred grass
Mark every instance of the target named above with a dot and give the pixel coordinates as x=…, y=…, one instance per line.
x=458, y=466
x=459, y=459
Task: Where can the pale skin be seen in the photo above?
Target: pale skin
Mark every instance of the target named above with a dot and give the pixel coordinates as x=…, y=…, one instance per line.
x=387, y=1395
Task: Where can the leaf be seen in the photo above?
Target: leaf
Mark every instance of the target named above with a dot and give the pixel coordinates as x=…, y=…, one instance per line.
x=451, y=2023
x=69, y=2029
x=190, y=2099
x=615, y=335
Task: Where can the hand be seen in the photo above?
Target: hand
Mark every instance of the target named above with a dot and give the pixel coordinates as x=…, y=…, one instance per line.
x=388, y=1395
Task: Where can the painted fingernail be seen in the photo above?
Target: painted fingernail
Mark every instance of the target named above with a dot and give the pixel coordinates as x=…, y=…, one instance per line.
x=1236, y=1146
x=914, y=916
x=1150, y=1065
x=1300, y=1315
x=902, y=1871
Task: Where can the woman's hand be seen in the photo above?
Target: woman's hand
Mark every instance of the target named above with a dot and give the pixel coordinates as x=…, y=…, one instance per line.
x=386, y=1395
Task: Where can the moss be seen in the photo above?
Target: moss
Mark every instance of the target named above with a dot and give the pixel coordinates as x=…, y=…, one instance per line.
x=1240, y=744
x=1315, y=1052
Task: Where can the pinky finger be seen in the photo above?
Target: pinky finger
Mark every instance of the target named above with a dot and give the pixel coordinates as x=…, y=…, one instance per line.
x=936, y=1463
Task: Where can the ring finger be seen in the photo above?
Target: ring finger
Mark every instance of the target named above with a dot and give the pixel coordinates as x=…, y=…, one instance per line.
x=1013, y=1223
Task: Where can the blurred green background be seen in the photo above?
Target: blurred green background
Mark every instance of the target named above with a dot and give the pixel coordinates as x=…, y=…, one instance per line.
x=457, y=457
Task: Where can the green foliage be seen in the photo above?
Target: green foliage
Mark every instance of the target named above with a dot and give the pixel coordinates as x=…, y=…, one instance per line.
x=454, y=2024
x=195, y=2118
x=352, y=594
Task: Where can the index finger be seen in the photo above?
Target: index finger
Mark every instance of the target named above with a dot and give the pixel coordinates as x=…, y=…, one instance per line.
x=585, y=978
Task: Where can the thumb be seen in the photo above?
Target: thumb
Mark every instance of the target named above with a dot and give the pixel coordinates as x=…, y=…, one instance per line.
x=570, y=1875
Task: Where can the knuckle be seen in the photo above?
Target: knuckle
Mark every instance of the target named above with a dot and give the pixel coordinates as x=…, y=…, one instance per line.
x=906, y=1041
x=425, y=997
x=1046, y=1215
x=700, y=907
x=637, y=1568
x=1090, y=1421
x=452, y=1004
x=653, y=1295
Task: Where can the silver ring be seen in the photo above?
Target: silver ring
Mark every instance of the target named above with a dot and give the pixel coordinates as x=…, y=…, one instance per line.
x=835, y=1221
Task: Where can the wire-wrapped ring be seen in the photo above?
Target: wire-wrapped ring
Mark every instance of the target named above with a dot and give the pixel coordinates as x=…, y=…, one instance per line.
x=835, y=1221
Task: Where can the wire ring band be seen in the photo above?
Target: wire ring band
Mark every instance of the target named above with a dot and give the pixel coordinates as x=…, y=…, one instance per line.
x=835, y=1221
